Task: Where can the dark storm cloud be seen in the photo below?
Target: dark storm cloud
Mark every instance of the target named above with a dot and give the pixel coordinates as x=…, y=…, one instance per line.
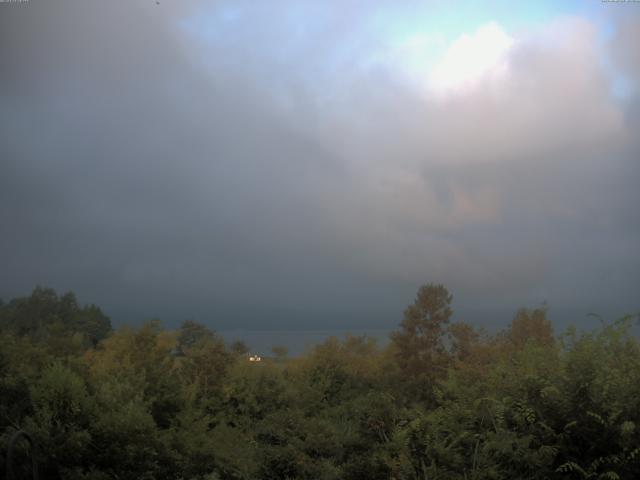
x=248, y=165
x=134, y=176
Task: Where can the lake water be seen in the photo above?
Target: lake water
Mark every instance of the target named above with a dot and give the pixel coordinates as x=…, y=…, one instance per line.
x=297, y=341
x=300, y=341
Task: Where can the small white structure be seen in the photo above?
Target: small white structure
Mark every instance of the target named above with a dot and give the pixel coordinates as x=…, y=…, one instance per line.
x=255, y=358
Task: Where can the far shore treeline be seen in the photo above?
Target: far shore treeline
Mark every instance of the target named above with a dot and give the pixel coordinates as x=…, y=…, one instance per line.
x=440, y=400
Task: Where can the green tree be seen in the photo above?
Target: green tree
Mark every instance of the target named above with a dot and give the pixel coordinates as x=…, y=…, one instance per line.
x=464, y=340
x=62, y=415
x=280, y=351
x=47, y=318
x=238, y=347
x=191, y=333
x=420, y=348
x=530, y=326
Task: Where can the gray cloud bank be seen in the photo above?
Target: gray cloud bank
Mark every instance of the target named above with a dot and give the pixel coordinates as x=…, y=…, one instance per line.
x=250, y=167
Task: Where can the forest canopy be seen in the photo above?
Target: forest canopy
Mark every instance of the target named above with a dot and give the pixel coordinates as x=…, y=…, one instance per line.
x=442, y=400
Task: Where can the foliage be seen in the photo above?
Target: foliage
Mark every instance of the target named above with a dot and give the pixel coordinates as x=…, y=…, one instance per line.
x=51, y=319
x=420, y=346
x=441, y=401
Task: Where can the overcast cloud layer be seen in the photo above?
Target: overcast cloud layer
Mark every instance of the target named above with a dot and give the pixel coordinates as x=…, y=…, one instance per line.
x=286, y=165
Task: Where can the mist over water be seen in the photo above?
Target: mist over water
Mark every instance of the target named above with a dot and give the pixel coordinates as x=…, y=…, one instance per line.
x=300, y=341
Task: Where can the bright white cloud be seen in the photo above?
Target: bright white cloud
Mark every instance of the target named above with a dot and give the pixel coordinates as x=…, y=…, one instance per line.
x=471, y=58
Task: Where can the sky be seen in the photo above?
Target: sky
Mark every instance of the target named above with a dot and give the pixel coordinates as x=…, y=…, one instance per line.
x=308, y=165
